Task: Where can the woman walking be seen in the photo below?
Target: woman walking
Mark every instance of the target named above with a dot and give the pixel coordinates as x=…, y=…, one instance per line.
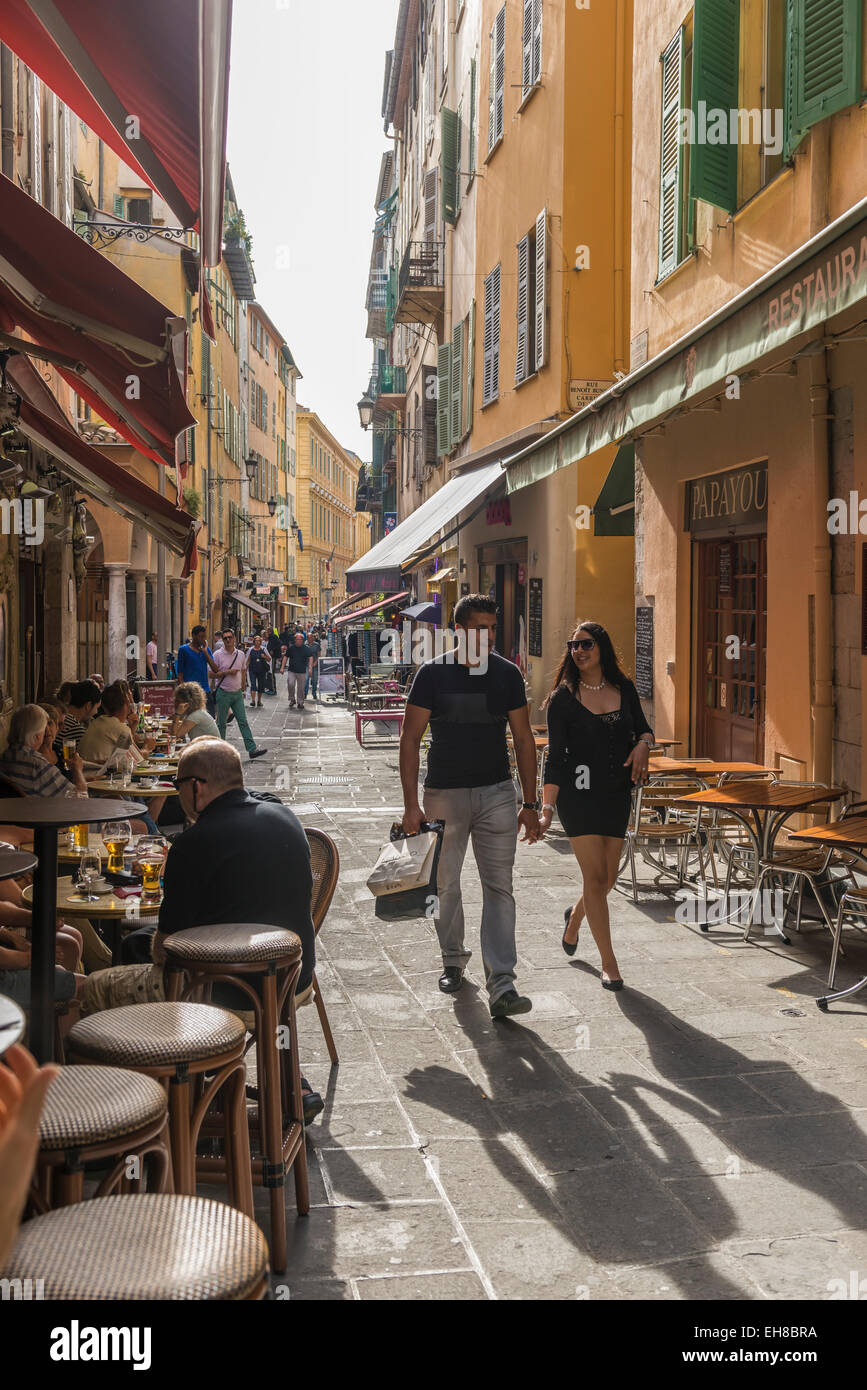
x=598, y=747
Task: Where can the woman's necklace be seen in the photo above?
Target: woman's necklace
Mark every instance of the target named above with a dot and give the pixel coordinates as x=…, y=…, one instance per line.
x=592, y=687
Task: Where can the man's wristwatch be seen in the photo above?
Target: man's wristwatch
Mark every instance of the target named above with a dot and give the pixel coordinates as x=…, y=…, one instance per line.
x=531, y=805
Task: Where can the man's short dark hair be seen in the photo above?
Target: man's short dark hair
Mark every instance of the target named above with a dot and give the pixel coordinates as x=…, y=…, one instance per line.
x=200, y=627
x=84, y=693
x=473, y=603
x=113, y=698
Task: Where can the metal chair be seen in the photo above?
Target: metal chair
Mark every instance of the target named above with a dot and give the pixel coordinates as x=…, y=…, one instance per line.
x=807, y=864
x=658, y=822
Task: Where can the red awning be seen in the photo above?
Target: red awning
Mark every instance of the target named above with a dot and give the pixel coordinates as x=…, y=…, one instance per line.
x=151, y=80
x=374, y=608
x=107, y=482
x=117, y=346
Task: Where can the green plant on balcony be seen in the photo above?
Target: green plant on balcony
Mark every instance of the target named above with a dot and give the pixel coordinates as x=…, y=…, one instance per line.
x=193, y=501
x=236, y=231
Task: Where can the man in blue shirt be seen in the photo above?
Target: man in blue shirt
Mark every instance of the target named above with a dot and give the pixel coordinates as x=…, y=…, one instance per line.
x=193, y=660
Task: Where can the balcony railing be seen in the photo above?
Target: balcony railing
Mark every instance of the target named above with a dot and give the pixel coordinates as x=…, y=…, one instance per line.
x=389, y=381
x=422, y=267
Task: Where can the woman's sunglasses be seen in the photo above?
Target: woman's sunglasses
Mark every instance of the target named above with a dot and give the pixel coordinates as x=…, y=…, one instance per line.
x=584, y=644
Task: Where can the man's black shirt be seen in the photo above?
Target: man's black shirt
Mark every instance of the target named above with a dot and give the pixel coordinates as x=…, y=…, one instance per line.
x=244, y=860
x=298, y=657
x=468, y=719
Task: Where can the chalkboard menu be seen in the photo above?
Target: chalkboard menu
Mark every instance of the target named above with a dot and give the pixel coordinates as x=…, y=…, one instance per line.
x=535, y=622
x=725, y=569
x=644, y=652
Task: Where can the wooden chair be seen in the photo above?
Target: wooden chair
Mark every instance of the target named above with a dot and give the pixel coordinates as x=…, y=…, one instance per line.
x=325, y=862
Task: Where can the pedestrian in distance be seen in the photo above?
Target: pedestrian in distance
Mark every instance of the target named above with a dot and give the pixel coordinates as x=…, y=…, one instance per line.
x=258, y=665
x=298, y=665
x=469, y=696
x=230, y=667
x=598, y=748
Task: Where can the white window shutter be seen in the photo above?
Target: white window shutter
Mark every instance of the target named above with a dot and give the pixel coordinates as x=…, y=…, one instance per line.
x=671, y=156
x=444, y=442
x=541, y=321
x=500, y=28
x=522, y=363
x=430, y=206
x=457, y=386
x=527, y=45
x=491, y=387
x=537, y=41
x=492, y=92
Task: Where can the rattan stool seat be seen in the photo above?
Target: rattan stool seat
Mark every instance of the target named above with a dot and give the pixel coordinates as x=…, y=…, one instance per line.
x=139, y=1247
x=233, y=943
x=154, y=1035
x=92, y=1105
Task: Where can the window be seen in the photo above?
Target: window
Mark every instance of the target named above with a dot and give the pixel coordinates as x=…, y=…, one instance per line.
x=497, y=90
x=139, y=210
x=491, y=384
x=532, y=47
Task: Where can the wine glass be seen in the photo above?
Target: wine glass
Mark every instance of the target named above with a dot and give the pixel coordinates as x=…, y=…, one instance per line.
x=89, y=871
x=115, y=835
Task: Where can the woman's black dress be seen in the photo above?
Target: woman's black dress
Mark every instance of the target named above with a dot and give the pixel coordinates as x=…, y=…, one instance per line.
x=586, y=753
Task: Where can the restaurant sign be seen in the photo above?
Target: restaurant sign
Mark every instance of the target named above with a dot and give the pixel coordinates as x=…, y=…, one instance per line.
x=722, y=501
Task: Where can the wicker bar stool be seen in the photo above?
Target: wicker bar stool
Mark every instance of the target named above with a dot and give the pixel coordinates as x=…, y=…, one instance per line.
x=181, y=1044
x=142, y=1247
x=265, y=963
x=98, y=1112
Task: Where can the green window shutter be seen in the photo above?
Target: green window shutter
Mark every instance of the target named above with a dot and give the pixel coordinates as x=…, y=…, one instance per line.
x=118, y=205
x=444, y=442
x=471, y=366
x=449, y=154
x=471, y=139
x=823, y=62
x=522, y=359
x=713, y=169
x=457, y=385
x=671, y=164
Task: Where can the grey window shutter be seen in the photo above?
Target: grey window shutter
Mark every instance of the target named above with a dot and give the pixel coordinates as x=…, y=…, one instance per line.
x=671, y=156
x=430, y=206
x=540, y=320
x=491, y=386
x=497, y=91
x=522, y=360
x=471, y=139
x=444, y=442
x=471, y=365
x=537, y=41
x=457, y=384
x=429, y=381
x=527, y=45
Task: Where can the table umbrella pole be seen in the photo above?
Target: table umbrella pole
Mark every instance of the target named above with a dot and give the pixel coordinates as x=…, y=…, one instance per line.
x=43, y=944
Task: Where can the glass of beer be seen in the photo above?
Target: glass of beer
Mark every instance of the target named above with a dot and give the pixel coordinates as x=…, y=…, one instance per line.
x=81, y=836
x=150, y=857
x=68, y=748
x=116, y=835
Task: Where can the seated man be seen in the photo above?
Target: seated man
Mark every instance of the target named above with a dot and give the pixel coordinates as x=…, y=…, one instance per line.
x=242, y=860
x=24, y=765
x=83, y=702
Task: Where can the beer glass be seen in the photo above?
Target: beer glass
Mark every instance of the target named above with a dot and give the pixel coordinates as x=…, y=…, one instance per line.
x=116, y=835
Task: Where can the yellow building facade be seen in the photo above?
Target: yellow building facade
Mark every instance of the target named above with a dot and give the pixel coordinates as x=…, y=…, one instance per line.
x=327, y=480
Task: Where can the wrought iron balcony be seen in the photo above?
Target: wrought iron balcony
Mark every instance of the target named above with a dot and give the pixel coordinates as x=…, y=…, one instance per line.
x=421, y=283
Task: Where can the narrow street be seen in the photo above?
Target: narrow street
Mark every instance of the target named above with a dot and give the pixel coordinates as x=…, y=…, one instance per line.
x=702, y=1135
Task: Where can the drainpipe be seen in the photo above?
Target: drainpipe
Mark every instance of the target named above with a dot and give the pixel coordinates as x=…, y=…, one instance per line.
x=620, y=363
x=823, y=615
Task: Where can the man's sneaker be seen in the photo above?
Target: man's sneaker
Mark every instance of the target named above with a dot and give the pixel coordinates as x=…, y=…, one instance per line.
x=258, y=753
x=510, y=1003
x=451, y=979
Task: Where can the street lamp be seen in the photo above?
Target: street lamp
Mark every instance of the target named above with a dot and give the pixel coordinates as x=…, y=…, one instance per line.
x=272, y=505
x=252, y=467
x=294, y=528
x=365, y=411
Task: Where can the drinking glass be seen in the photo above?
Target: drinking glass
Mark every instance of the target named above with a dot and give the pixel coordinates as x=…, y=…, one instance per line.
x=89, y=871
x=82, y=836
x=151, y=856
x=68, y=748
x=116, y=835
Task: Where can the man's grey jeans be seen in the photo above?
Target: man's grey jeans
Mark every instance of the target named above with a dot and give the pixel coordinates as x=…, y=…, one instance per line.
x=488, y=816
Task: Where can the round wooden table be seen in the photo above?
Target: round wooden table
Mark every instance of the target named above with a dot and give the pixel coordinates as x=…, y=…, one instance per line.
x=15, y=862
x=46, y=815
x=104, y=907
x=164, y=789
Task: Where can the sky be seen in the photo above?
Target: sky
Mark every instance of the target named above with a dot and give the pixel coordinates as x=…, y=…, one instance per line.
x=305, y=143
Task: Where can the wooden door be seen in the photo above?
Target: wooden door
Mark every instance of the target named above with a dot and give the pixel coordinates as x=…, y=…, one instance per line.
x=731, y=649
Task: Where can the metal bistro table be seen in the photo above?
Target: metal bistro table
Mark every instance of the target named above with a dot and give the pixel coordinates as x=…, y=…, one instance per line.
x=850, y=835
x=762, y=807
x=46, y=815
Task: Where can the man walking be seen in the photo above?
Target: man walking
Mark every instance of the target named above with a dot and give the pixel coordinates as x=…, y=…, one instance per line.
x=311, y=681
x=258, y=665
x=192, y=659
x=273, y=645
x=230, y=667
x=468, y=696
x=151, y=658
x=298, y=664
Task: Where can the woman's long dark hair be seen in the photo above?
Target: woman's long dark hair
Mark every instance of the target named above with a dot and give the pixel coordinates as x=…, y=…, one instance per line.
x=567, y=673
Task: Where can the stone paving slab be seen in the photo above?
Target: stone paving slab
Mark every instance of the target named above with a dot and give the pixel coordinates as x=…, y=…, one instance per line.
x=701, y=1135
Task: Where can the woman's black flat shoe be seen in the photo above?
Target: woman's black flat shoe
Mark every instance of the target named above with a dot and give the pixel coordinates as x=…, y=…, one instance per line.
x=569, y=947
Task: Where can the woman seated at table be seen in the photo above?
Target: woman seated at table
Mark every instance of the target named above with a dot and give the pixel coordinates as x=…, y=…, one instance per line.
x=110, y=733
x=25, y=765
x=191, y=716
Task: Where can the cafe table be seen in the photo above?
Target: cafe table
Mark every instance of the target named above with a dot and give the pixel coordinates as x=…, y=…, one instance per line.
x=107, y=908
x=849, y=835
x=696, y=767
x=163, y=788
x=46, y=815
x=12, y=1023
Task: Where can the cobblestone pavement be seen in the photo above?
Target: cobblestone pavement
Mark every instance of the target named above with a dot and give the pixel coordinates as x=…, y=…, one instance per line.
x=701, y=1135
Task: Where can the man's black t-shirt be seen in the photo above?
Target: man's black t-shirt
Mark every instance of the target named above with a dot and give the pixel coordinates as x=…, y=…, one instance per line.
x=297, y=658
x=468, y=719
